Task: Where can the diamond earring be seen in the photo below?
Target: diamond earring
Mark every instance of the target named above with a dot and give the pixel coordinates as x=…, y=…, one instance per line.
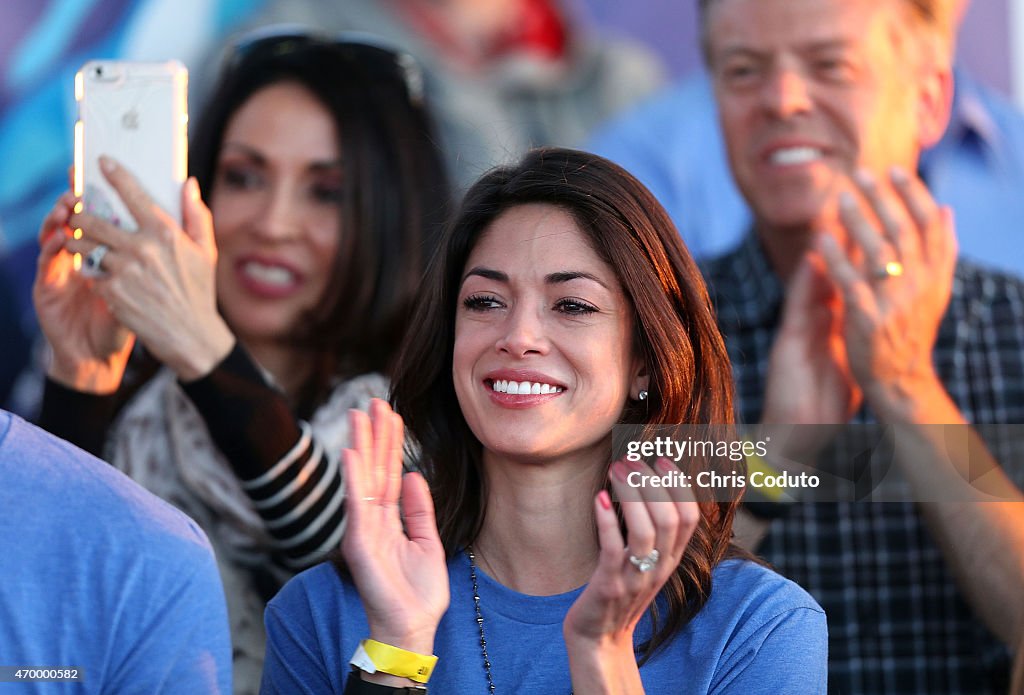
x=642, y=395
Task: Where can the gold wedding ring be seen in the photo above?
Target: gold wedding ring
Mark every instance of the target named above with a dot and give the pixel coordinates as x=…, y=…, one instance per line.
x=892, y=269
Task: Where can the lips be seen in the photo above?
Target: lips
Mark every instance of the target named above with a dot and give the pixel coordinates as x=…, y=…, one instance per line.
x=521, y=388
x=267, y=277
x=791, y=156
x=793, y=153
x=516, y=388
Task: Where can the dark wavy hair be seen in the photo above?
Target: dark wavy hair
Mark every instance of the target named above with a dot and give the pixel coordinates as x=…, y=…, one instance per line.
x=396, y=188
x=675, y=332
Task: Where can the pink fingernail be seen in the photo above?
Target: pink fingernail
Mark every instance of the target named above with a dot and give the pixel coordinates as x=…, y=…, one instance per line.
x=619, y=471
x=605, y=499
x=107, y=164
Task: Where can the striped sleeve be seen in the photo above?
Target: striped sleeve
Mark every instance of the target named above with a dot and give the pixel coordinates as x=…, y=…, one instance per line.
x=294, y=486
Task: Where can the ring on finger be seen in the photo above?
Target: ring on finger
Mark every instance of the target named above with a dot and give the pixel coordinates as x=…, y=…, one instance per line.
x=94, y=259
x=645, y=563
x=892, y=269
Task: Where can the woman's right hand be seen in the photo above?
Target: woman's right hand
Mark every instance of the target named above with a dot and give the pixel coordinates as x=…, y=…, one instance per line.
x=90, y=347
x=401, y=574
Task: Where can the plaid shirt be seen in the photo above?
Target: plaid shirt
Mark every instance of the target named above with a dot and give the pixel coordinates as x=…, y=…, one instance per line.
x=897, y=622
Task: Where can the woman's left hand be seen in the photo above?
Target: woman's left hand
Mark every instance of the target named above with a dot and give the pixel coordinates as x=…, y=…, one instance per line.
x=599, y=627
x=160, y=279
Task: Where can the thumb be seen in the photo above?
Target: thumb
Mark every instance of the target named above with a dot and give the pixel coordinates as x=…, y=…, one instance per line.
x=418, y=509
x=196, y=217
x=800, y=293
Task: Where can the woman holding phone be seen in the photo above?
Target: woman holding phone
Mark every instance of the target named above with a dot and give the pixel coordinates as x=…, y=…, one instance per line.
x=272, y=312
x=560, y=304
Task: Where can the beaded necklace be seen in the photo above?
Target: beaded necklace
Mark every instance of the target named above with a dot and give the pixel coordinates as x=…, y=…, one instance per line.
x=480, y=620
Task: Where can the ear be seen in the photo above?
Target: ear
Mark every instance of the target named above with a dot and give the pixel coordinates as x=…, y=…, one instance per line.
x=641, y=379
x=935, y=96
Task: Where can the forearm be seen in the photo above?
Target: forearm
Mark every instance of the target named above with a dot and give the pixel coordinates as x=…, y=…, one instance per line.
x=974, y=511
x=606, y=668
x=294, y=486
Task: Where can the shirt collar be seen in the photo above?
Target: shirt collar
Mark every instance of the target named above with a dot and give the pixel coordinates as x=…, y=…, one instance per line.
x=970, y=121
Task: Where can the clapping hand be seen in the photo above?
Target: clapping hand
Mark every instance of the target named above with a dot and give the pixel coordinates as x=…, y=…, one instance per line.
x=895, y=279
x=599, y=627
x=400, y=573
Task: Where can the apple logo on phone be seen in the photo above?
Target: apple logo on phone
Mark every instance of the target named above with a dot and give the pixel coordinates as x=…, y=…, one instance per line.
x=130, y=120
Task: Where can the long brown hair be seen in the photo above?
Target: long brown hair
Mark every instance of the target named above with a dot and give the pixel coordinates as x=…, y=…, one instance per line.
x=395, y=196
x=675, y=331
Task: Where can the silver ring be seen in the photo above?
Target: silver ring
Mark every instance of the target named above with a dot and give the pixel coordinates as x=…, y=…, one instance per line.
x=94, y=259
x=892, y=269
x=369, y=499
x=647, y=562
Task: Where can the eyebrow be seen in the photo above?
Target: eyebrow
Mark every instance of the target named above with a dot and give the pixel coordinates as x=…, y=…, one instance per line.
x=811, y=47
x=556, y=278
x=260, y=158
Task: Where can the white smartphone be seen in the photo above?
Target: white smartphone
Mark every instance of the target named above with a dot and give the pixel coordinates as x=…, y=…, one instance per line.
x=136, y=113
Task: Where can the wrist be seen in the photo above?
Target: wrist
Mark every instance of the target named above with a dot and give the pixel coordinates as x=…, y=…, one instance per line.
x=415, y=641
x=386, y=664
x=210, y=349
x=605, y=664
x=907, y=399
x=610, y=646
x=88, y=376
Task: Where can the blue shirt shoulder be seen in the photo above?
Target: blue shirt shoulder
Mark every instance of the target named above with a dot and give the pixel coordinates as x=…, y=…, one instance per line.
x=100, y=574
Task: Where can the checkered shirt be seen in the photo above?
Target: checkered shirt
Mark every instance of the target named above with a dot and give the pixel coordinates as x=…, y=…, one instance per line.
x=897, y=622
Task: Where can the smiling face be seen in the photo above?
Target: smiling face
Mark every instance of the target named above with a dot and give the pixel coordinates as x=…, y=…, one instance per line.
x=543, y=358
x=809, y=90
x=276, y=208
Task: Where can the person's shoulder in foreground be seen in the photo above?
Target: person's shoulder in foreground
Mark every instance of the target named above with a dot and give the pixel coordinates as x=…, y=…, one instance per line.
x=758, y=633
x=101, y=576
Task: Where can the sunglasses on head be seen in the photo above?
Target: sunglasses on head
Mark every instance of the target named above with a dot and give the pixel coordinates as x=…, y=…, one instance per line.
x=370, y=52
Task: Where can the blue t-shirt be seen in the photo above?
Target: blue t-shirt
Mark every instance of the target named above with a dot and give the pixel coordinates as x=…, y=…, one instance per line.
x=758, y=633
x=98, y=574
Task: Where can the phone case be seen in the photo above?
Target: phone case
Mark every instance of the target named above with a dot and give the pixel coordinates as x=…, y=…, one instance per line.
x=136, y=113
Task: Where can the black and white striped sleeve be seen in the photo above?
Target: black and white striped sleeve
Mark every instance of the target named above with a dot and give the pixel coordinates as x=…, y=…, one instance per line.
x=294, y=486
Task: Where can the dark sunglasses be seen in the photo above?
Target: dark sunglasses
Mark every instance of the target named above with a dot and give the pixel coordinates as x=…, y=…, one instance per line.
x=373, y=54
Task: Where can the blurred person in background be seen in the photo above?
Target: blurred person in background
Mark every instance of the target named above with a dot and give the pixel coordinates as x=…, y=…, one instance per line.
x=503, y=75
x=673, y=143
x=42, y=44
x=272, y=312
x=847, y=302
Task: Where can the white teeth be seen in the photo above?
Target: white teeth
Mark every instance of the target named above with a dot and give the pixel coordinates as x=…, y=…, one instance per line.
x=519, y=388
x=795, y=155
x=269, y=274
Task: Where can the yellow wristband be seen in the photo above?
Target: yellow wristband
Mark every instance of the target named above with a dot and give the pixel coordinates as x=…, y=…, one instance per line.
x=373, y=656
